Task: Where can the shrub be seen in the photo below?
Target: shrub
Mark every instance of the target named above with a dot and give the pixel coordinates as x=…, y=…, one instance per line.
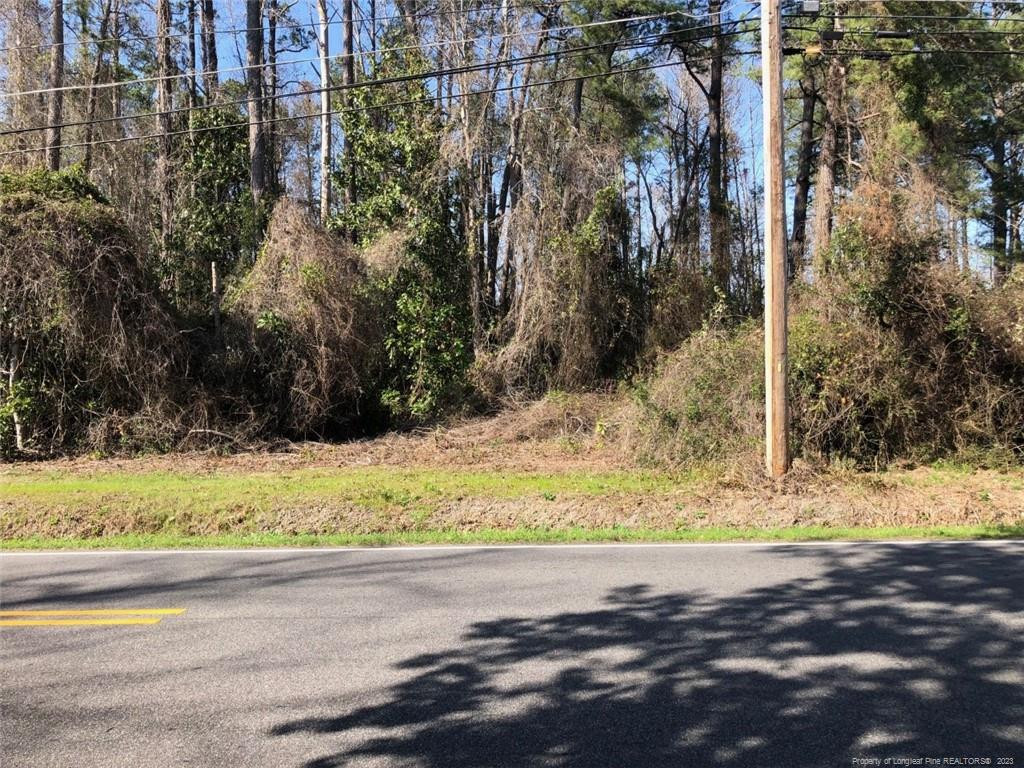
x=301, y=339
x=894, y=356
x=91, y=353
x=704, y=402
x=579, y=318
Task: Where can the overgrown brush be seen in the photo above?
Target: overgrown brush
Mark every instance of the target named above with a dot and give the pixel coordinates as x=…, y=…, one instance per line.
x=703, y=403
x=894, y=356
x=577, y=316
x=89, y=350
x=301, y=338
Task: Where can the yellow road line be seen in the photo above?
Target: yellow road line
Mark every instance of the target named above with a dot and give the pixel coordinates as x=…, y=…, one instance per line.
x=99, y=612
x=72, y=622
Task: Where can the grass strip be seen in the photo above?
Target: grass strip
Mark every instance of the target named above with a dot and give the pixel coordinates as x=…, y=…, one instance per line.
x=521, y=536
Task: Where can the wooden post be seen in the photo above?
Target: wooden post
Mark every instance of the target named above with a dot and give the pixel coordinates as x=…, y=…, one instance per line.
x=776, y=404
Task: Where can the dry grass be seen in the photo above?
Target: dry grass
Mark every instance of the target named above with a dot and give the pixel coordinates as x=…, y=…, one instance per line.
x=538, y=466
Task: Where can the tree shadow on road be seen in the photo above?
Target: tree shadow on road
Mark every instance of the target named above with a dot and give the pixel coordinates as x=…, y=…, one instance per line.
x=891, y=651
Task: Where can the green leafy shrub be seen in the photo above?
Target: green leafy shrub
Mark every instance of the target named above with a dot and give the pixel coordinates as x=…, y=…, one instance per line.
x=401, y=222
x=69, y=185
x=216, y=219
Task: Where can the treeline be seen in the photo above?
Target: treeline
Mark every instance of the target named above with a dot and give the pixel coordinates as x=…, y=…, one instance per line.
x=259, y=224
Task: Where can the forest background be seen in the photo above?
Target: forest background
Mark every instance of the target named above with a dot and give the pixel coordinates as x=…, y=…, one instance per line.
x=270, y=226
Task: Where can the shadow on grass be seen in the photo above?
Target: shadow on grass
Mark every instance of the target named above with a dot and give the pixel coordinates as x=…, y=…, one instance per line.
x=888, y=651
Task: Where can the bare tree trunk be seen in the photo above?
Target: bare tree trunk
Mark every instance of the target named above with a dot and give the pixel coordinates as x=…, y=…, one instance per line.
x=965, y=246
x=577, y=103
x=744, y=230
x=12, y=383
x=208, y=38
x=720, y=266
x=1012, y=237
x=997, y=177
x=115, y=62
x=192, y=86
x=164, y=103
x=656, y=227
x=491, y=219
x=271, y=96
x=24, y=35
x=798, y=242
x=373, y=26
x=254, y=93
x=409, y=11
x=55, y=113
x=825, y=185
x=94, y=79
x=348, y=74
x=512, y=174
x=215, y=298
x=325, y=116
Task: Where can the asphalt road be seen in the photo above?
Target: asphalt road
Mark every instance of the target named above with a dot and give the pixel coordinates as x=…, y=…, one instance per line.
x=631, y=656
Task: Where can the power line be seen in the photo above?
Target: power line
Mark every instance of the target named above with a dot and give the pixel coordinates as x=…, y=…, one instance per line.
x=967, y=2
x=902, y=16
x=632, y=44
x=462, y=69
x=919, y=51
x=296, y=25
x=244, y=68
x=912, y=32
x=408, y=102
x=552, y=4
x=315, y=26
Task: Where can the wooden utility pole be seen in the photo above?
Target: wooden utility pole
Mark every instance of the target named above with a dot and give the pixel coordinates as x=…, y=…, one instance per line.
x=776, y=402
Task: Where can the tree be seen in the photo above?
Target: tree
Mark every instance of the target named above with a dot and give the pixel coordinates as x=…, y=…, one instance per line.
x=254, y=93
x=208, y=47
x=348, y=79
x=805, y=159
x=217, y=227
x=165, y=103
x=325, y=113
x=405, y=203
x=718, y=209
x=55, y=112
x=91, y=99
x=824, y=188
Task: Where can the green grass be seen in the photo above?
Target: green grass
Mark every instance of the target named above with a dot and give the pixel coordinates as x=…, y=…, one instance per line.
x=370, y=488
x=523, y=536
x=381, y=506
